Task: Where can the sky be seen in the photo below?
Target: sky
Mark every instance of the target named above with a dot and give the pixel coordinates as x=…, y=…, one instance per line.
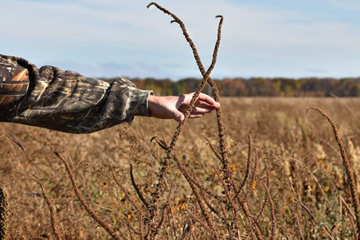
x=260, y=38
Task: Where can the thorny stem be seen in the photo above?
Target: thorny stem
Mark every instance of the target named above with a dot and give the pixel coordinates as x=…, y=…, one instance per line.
x=349, y=171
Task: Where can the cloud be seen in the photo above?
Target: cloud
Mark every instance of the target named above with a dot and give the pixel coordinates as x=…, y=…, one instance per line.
x=108, y=35
x=352, y=5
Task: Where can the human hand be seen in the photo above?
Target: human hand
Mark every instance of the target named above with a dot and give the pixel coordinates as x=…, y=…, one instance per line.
x=174, y=107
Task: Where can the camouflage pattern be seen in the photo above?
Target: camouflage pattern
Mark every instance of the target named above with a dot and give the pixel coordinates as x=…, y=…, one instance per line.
x=65, y=101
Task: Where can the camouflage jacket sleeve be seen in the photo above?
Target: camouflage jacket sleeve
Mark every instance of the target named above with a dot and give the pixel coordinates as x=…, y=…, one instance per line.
x=65, y=101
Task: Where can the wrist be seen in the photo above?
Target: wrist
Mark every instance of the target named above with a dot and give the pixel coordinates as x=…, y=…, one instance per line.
x=152, y=102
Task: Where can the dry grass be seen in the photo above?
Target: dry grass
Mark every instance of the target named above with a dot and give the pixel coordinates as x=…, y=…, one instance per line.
x=290, y=188
x=303, y=193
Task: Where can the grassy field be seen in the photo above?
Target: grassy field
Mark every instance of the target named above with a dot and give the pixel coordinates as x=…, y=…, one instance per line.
x=296, y=186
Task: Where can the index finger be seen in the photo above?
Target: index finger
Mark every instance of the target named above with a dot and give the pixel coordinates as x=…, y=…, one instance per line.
x=208, y=100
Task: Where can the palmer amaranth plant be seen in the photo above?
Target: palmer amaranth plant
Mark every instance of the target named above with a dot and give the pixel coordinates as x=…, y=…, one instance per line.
x=268, y=198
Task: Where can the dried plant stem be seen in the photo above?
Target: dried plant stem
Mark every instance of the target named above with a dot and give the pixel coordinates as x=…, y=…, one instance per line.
x=215, y=151
x=272, y=214
x=81, y=197
x=155, y=230
x=253, y=223
x=206, y=78
x=266, y=198
x=249, y=160
x=186, y=230
x=226, y=219
x=186, y=174
x=52, y=209
x=305, y=208
x=231, y=204
x=130, y=227
x=206, y=215
x=163, y=171
x=3, y=213
x=137, y=188
x=196, y=181
x=192, y=182
x=137, y=207
x=271, y=204
x=347, y=208
x=298, y=225
x=349, y=171
x=328, y=233
x=203, y=224
x=353, y=228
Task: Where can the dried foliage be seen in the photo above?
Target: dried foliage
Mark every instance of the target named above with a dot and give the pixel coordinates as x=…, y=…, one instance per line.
x=291, y=185
x=285, y=184
x=349, y=170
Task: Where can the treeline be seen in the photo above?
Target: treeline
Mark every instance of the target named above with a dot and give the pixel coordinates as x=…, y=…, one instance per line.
x=253, y=87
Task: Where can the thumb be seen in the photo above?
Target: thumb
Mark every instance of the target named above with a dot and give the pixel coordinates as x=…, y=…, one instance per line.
x=178, y=116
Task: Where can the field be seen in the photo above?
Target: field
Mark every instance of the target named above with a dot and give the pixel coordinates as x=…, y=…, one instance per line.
x=296, y=185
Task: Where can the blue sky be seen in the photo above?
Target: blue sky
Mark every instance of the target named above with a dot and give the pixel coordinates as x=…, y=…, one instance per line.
x=108, y=38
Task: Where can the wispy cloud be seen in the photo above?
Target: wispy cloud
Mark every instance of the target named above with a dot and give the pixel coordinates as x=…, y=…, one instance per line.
x=258, y=39
x=352, y=5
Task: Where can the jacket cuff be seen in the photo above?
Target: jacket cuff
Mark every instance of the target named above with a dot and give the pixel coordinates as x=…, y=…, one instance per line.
x=139, y=102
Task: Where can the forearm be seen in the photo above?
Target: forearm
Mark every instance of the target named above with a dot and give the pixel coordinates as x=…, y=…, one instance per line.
x=69, y=102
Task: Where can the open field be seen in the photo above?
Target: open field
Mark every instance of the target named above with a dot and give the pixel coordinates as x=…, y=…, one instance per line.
x=294, y=156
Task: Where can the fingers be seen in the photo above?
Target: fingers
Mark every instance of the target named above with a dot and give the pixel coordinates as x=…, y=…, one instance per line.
x=203, y=100
x=202, y=110
x=207, y=101
x=196, y=115
x=204, y=104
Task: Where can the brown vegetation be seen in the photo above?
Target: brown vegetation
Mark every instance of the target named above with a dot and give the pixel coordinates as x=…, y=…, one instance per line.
x=304, y=179
x=206, y=185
